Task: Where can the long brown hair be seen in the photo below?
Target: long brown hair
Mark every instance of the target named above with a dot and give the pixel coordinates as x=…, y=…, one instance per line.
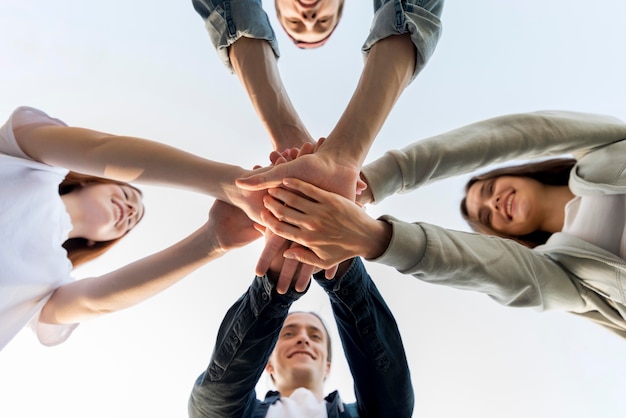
x=80, y=250
x=552, y=172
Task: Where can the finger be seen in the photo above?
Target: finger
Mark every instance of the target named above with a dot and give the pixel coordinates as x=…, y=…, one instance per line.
x=319, y=143
x=330, y=273
x=286, y=214
x=304, y=276
x=276, y=227
x=305, y=256
x=264, y=180
x=307, y=189
x=307, y=148
x=287, y=272
x=274, y=155
x=273, y=247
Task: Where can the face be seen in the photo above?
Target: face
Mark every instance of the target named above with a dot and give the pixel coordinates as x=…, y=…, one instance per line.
x=108, y=211
x=301, y=353
x=308, y=20
x=508, y=204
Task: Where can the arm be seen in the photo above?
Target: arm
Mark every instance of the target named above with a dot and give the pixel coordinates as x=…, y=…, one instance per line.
x=227, y=228
x=244, y=343
x=131, y=159
x=403, y=38
x=246, y=43
x=496, y=140
x=508, y=272
x=372, y=344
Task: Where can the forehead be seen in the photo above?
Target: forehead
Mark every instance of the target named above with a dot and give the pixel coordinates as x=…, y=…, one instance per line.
x=303, y=319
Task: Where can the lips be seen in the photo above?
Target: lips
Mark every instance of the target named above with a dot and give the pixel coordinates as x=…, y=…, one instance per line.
x=119, y=212
x=509, y=205
x=301, y=353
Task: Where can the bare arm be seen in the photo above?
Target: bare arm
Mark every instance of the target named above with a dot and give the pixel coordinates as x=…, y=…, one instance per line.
x=255, y=64
x=335, y=166
x=137, y=160
x=227, y=228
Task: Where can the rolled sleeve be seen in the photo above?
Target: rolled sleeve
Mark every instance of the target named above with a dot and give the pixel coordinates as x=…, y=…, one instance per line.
x=227, y=21
x=419, y=18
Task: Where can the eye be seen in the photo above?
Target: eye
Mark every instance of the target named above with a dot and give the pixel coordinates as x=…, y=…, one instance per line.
x=490, y=187
x=316, y=337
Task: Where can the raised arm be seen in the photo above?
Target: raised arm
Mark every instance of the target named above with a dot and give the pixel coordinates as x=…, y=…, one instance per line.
x=244, y=343
x=403, y=38
x=246, y=43
x=138, y=160
x=226, y=228
x=372, y=344
x=500, y=139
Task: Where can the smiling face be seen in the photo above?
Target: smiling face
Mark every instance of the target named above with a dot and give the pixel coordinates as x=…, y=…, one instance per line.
x=103, y=212
x=300, y=358
x=509, y=205
x=309, y=21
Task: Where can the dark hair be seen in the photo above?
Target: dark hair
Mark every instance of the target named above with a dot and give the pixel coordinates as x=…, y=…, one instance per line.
x=552, y=172
x=79, y=250
x=316, y=44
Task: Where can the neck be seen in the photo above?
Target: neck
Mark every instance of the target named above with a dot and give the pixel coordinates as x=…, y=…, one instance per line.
x=557, y=198
x=71, y=209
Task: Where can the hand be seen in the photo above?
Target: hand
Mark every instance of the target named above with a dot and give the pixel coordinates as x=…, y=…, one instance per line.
x=364, y=194
x=229, y=227
x=332, y=227
x=291, y=271
x=317, y=169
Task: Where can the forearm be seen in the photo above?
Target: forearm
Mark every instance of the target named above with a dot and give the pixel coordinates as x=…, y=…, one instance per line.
x=255, y=64
x=128, y=159
x=508, y=272
x=372, y=344
x=131, y=284
x=244, y=343
x=388, y=70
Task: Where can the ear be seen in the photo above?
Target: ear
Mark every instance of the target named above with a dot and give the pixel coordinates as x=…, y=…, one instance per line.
x=269, y=368
x=91, y=243
x=327, y=370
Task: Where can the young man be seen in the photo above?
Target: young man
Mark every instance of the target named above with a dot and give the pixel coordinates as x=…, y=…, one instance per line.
x=258, y=334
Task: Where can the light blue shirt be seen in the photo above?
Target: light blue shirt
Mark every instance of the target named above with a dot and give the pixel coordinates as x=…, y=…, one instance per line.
x=228, y=20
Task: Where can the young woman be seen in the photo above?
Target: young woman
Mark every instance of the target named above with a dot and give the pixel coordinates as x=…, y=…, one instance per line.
x=66, y=200
x=580, y=268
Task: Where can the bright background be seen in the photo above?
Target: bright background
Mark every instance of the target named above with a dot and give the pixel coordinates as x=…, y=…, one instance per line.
x=147, y=68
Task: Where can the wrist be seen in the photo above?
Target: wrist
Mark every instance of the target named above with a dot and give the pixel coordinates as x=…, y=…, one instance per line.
x=380, y=233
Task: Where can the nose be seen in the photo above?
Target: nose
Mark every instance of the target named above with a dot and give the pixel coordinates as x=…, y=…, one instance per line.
x=494, y=202
x=303, y=338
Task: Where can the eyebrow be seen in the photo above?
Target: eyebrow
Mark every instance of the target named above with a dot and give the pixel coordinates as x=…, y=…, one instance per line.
x=308, y=327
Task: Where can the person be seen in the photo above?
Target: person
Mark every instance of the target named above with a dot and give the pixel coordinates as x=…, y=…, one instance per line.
x=258, y=333
x=246, y=43
x=578, y=266
x=67, y=200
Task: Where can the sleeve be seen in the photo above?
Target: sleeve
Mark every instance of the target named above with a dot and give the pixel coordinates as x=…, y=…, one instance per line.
x=419, y=18
x=496, y=140
x=508, y=272
x=228, y=20
x=372, y=344
x=244, y=343
x=22, y=116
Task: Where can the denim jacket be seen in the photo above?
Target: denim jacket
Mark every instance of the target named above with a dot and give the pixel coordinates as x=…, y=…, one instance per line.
x=228, y=20
x=369, y=335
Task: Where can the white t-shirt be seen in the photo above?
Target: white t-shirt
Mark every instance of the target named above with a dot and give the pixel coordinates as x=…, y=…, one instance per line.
x=33, y=227
x=600, y=220
x=301, y=404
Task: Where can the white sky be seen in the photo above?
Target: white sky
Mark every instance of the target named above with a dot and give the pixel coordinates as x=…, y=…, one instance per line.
x=147, y=68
